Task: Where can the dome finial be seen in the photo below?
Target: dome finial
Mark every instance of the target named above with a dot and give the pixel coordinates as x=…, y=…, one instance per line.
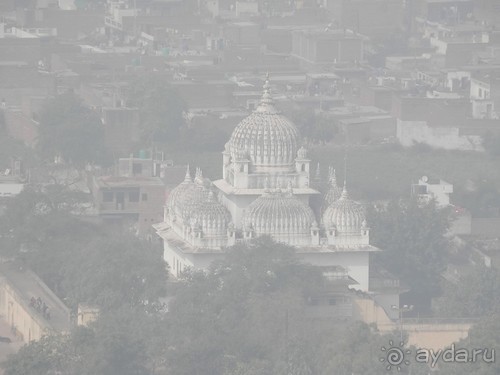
x=187, y=178
x=198, y=176
x=266, y=96
x=266, y=82
x=333, y=177
x=345, y=171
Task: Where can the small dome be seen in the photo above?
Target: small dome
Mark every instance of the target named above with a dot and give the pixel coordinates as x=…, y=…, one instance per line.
x=184, y=198
x=345, y=215
x=176, y=194
x=278, y=213
x=211, y=217
x=190, y=200
x=266, y=137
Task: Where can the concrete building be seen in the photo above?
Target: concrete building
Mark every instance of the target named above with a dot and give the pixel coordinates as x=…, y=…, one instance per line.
x=320, y=47
x=134, y=196
x=427, y=189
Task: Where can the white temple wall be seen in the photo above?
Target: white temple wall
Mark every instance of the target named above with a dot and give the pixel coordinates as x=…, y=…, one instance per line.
x=236, y=206
x=178, y=261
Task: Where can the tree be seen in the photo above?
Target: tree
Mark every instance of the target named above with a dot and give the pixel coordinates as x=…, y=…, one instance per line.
x=246, y=316
x=72, y=131
x=492, y=144
x=484, y=335
x=35, y=214
x=81, y=261
x=313, y=126
x=475, y=295
x=482, y=201
x=117, y=343
x=204, y=138
x=49, y=355
x=116, y=271
x=415, y=248
x=161, y=109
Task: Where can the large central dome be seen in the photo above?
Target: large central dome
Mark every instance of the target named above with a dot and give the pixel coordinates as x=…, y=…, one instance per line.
x=267, y=138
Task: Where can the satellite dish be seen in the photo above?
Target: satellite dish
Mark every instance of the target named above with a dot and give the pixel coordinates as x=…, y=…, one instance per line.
x=425, y=178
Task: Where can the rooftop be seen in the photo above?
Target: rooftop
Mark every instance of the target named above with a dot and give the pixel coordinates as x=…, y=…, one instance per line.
x=120, y=181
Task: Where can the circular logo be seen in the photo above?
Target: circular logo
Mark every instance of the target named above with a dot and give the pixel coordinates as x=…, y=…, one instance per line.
x=395, y=356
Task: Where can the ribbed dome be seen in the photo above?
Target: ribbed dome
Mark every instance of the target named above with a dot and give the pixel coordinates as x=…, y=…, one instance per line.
x=185, y=197
x=345, y=215
x=279, y=213
x=266, y=137
x=190, y=200
x=210, y=217
x=175, y=195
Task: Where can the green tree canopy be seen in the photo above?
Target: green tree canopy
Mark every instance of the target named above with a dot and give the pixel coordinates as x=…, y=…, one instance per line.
x=246, y=316
x=161, y=109
x=119, y=342
x=484, y=335
x=81, y=261
x=414, y=243
x=475, y=295
x=71, y=130
x=314, y=127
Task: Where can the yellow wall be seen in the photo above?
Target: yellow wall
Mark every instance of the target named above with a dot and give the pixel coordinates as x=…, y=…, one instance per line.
x=423, y=335
x=27, y=326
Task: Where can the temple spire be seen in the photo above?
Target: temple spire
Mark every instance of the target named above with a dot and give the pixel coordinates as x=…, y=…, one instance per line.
x=345, y=171
x=333, y=177
x=266, y=95
x=198, y=178
x=187, y=177
x=317, y=175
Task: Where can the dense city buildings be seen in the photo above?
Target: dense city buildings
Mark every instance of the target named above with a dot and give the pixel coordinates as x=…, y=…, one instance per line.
x=165, y=160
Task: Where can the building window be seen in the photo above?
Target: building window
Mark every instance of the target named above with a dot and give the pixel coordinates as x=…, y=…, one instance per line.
x=108, y=196
x=144, y=197
x=303, y=167
x=332, y=301
x=136, y=168
x=133, y=196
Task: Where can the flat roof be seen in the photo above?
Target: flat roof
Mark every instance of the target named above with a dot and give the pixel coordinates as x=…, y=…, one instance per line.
x=119, y=181
x=166, y=233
